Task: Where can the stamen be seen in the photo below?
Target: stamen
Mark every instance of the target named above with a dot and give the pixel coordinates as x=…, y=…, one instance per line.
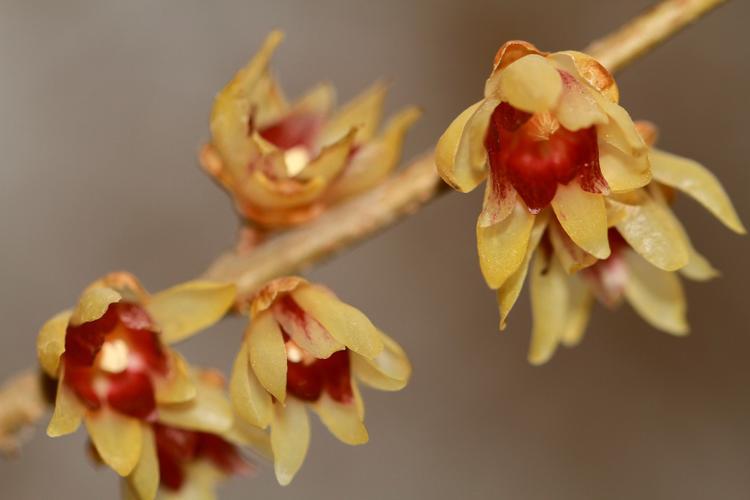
x=114, y=356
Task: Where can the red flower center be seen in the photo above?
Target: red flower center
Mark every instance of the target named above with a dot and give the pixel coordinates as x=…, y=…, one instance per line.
x=535, y=154
x=177, y=448
x=299, y=129
x=114, y=359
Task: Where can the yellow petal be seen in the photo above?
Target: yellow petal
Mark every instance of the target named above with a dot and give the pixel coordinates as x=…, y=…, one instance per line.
x=68, y=412
x=290, y=438
x=363, y=112
x=656, y=295
x=305, y=331
x=698, y=267
x=388, y=371
x=331, y=160
x=549, y=301
x=341, y=420
x=186, y=309
x=250, y=400
x=619, y=131
x=508, y=294
x=463, y=173
x=530, y=84
x=145, y=477
x=208, y=411
x=587, y=69
x=268, y=354
x=374, y=160
x=623, y=171
x=654, y=232
x=178, y=386
x=345, y=323
x=93, y=303
x=697, y=181
x=579, y=305
x=499, y=200
x=316, y=101
x=502, y=247
x=273, y=193
x=584, y=217
x=117, y=439
x=50, y=343
x=578, y=108
x=201, y=478
x=572, y=257
x=249, y=436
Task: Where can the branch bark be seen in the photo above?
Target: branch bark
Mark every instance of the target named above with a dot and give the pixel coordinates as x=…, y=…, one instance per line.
x=21, y=401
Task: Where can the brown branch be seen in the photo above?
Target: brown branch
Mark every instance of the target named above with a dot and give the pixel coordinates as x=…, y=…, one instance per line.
x=418, y=183
x=21, y=402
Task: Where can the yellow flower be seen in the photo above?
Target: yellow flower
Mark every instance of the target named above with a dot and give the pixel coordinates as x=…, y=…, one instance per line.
x=554, y=142
x=304, y=347
x=115, y=372
x=649, y=244
x=284, y=163
x=181, y=461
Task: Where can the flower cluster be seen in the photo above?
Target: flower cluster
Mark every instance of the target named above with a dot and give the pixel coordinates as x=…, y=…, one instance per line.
x=306, y=348
x=284, y=163
x=117, y=375
x=569, y=192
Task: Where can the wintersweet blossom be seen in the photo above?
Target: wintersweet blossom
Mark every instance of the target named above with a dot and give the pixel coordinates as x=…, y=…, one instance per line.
x=553, y=143
x=117, y=375
x=649, y=247
x=306, y=348
x=284, y=163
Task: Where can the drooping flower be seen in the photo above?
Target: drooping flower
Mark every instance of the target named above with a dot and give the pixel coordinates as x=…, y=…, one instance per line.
x=114, y=369
x=306, y=348
x=181, y=461
x=649, y=247
x=553, y=143
x=284, y=163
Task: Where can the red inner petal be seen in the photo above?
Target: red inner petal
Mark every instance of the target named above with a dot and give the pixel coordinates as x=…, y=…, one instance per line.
x=298, y=129
x=132, y=393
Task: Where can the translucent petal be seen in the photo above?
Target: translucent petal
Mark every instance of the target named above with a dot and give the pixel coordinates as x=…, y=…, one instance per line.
x=572, y=257
x=188, y=308
x=290, y=438
x=508, y=294
x=250, y=399
x=654, y=232
x=656, y=295
x=68, y=411
x=499, y=200
x=583, y=216
x=502, y=247
x=580, y=301
x=341, y=419
x=267, y=352
x=363, y=112
x=209, y=411
x=698, y=267
x=549, y=302
x=698, y=182
x=462, y=172
x=50, y=343
x=620, y=131
x=531, y=84
x=145, y=477
x=578, y=108
x=345, y=323
x=118, y=439
x=623, y=171
x=93, y=304
x=388, y=371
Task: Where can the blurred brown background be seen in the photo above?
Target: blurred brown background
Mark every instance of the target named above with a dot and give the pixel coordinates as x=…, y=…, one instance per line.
x=103, y=106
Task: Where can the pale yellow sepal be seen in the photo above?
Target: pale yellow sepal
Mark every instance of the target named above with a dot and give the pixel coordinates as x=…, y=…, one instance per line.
x=656, y=295
x=178, y=386
x=290, y=439
x=50, y=343
x=470, y=160
x=201, y=478
x=342, y=420
x=698, y=182
x=530, y=84
x=306, y=332
x=508, y=294
x=118, y=439
x=623, y=171
x=186, y=309
x=364, y=113
x=209, y=411
x=580, y=301
x=93, y=303
x=250, y=400
x=698, y=267
x=502, y=247
x=549, y=300
x=68, y=411
x=461, y=174
x=144, y=479
x=583, y=216
x=572, y=257
x=265, y=344
x=331, y=161
x=654, y=232
x=498, y=203
x=345, y=323
x=388, y=371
